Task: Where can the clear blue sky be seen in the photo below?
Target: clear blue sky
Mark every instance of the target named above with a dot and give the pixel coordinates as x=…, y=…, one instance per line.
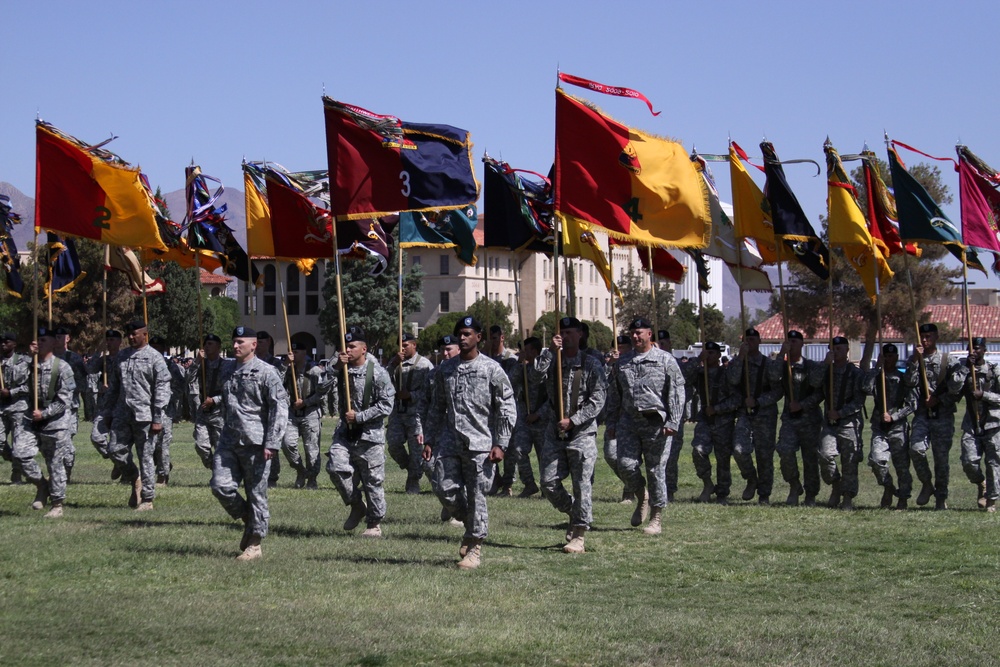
x=217, y=81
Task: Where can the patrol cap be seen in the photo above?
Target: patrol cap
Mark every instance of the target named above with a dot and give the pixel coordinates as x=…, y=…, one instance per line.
x=495, y=329
x=929, y=327
x=447, y=340
x=713, y=346
x=978, y=341
x=243, y=332
x=662, y=334
x=751, y=332
x=468, y=322
x=134, y=325
x=8, y=336
x=407, y=336
x=113, y=333
x=44, y=332
x=641, y=323
x=156, y=341
x=213, y=338
x=62, y=330
x=355, y=335
x=839, y=340
x=570, y=323
x=795, y=335
x=263, y=335
x=624, y=340
x=890, y=348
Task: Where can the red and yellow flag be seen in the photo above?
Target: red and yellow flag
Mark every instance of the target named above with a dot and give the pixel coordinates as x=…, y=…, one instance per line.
x=751, y=219
x=90, y=193
x=624, y=182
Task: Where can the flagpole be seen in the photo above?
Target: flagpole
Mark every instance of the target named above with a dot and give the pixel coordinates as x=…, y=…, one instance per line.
x=785, y=326
x=201, y=318
x=555, y=275
x=50, y=290
x=701, y=335
x=288, y=331
x=829, y=317
x=399, y=290
x=34, y=335
x=104, y=304
x=968, y=335
x=614, y=318
x=878, y=320
x=916, y=324
x=341, y=323
x=142, y=279
x=251, y=289
x=489, y=306
x=652, y=291
x=517, y=298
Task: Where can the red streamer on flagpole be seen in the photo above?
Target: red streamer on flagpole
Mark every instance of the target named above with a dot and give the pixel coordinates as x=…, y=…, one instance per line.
x=607, y=90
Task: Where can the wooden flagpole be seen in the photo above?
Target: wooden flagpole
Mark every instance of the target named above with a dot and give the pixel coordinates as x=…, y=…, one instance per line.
x=341, y=323
x=558, y=304
x=786, y=327
x=652, y=293
x=614, y=317
x=968, y=335
x=288, y=331
x=104, y=305
x=399, y=290
x=34, y=334
x=489, y=304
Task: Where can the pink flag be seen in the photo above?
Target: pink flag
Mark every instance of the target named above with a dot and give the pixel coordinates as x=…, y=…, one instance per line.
x=980, y=211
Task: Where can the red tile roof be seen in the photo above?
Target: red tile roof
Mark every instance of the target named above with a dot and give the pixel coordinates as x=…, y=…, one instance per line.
x=214, y=278
x=985, y=322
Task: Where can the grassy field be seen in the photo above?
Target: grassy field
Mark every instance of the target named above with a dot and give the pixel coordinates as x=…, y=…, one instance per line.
x=733, y=585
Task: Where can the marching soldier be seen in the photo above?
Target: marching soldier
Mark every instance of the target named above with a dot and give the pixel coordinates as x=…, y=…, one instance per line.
x=80, y=379
x=470, y=422
x=507, y=358
x=841, y=431
x=254, y=408
x=895, y=399
x=981, y=424
x=714, y=420
x=48, y=427
x=103, y=365
x=138, y=394
x=570, y=445
x=532, y=414
x=404, y=434
x=934, y=422
x=265, y=352
x=205, y=385
x=356, y=458
x=305, y=415
x=753, y=376
x=645, y=407
x=448, y=346
x=611, y=442
x=801, y=421
x=13, y=400
x=172, y=413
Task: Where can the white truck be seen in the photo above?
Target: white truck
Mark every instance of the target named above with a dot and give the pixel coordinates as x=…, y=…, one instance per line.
x=694, y=350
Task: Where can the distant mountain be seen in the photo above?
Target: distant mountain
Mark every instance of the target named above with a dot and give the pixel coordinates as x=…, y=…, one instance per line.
x=24, y=206
x=235, y=210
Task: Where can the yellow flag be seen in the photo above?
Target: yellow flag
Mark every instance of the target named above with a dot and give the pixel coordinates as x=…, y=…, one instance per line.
x=848, y=229
x=580, y=243
x=750, y=211
x=260, y=242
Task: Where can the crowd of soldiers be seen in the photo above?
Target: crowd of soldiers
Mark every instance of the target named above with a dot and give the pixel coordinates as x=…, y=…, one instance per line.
x=470, y=423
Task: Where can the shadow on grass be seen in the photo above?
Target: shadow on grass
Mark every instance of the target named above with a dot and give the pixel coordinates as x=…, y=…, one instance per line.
x=185, y=551
x=374, y=560
x=295, y=532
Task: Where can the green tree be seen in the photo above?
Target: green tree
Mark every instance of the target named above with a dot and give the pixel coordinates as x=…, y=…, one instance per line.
x=489, y=313
x=806, y=296
x=174, y=314
x=637, y=301
x=224, y=312
x=371, y=302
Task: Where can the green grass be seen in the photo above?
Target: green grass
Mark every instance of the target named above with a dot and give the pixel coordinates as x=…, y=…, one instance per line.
x=730, y=585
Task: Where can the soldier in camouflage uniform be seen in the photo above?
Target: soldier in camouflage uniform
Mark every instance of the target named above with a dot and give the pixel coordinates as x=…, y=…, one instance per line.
x=841, y=432
x=48, y=428
x=611, y=442
x=757, y=380
x=981, y=424
x=13, y=400
x=570, y=445
x=205, y=385
x=470, y=421
x=895, y=399
x=801, y=421
x=265, y=352
x=448, y=347
x=80, y=379
x=677, y=441
x=357, y=458
x=507, y=358
x=934, y=422
x=138, y=394
x=532, y=413
x=713, y=422
x=405, y=434
x=100, y=431
x=254, y=409
x=178, y=386
x=645, y=407
x=305, y=415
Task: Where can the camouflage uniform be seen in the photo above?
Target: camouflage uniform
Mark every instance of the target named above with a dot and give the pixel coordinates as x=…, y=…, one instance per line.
x=713, y=432
x=279, y=364
x=100, y=431
x=526, y=436
x=646, y=397
x=80, y=380
x=610, y=437
x=138, y=393
x=677, y=443
x=756, y=430
x=357, y=457
x=404, y=421
x=891, y=441
x=53, y=435
x=844, y=436
x=254, y=411
x=207, y=423
x=472, y=410
x=980, y=439
x=306, y=423
x=584, y=387
x=509, y=363
x=934, y=428
x=163, y=439
x=800, y=431
x=16, y=371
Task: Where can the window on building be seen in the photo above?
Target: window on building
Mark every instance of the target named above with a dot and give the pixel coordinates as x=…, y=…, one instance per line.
x=415, y=260
x=292, y=283
x=270, y=304
x=445, y=302
x=545, y=269
x=270, y=278
x=444, y=265
x=607, y=308
x=477, y=296
x=510, y=301
x=292, y=303
x=312, y=280
x=312, y=304
x=510, y=269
